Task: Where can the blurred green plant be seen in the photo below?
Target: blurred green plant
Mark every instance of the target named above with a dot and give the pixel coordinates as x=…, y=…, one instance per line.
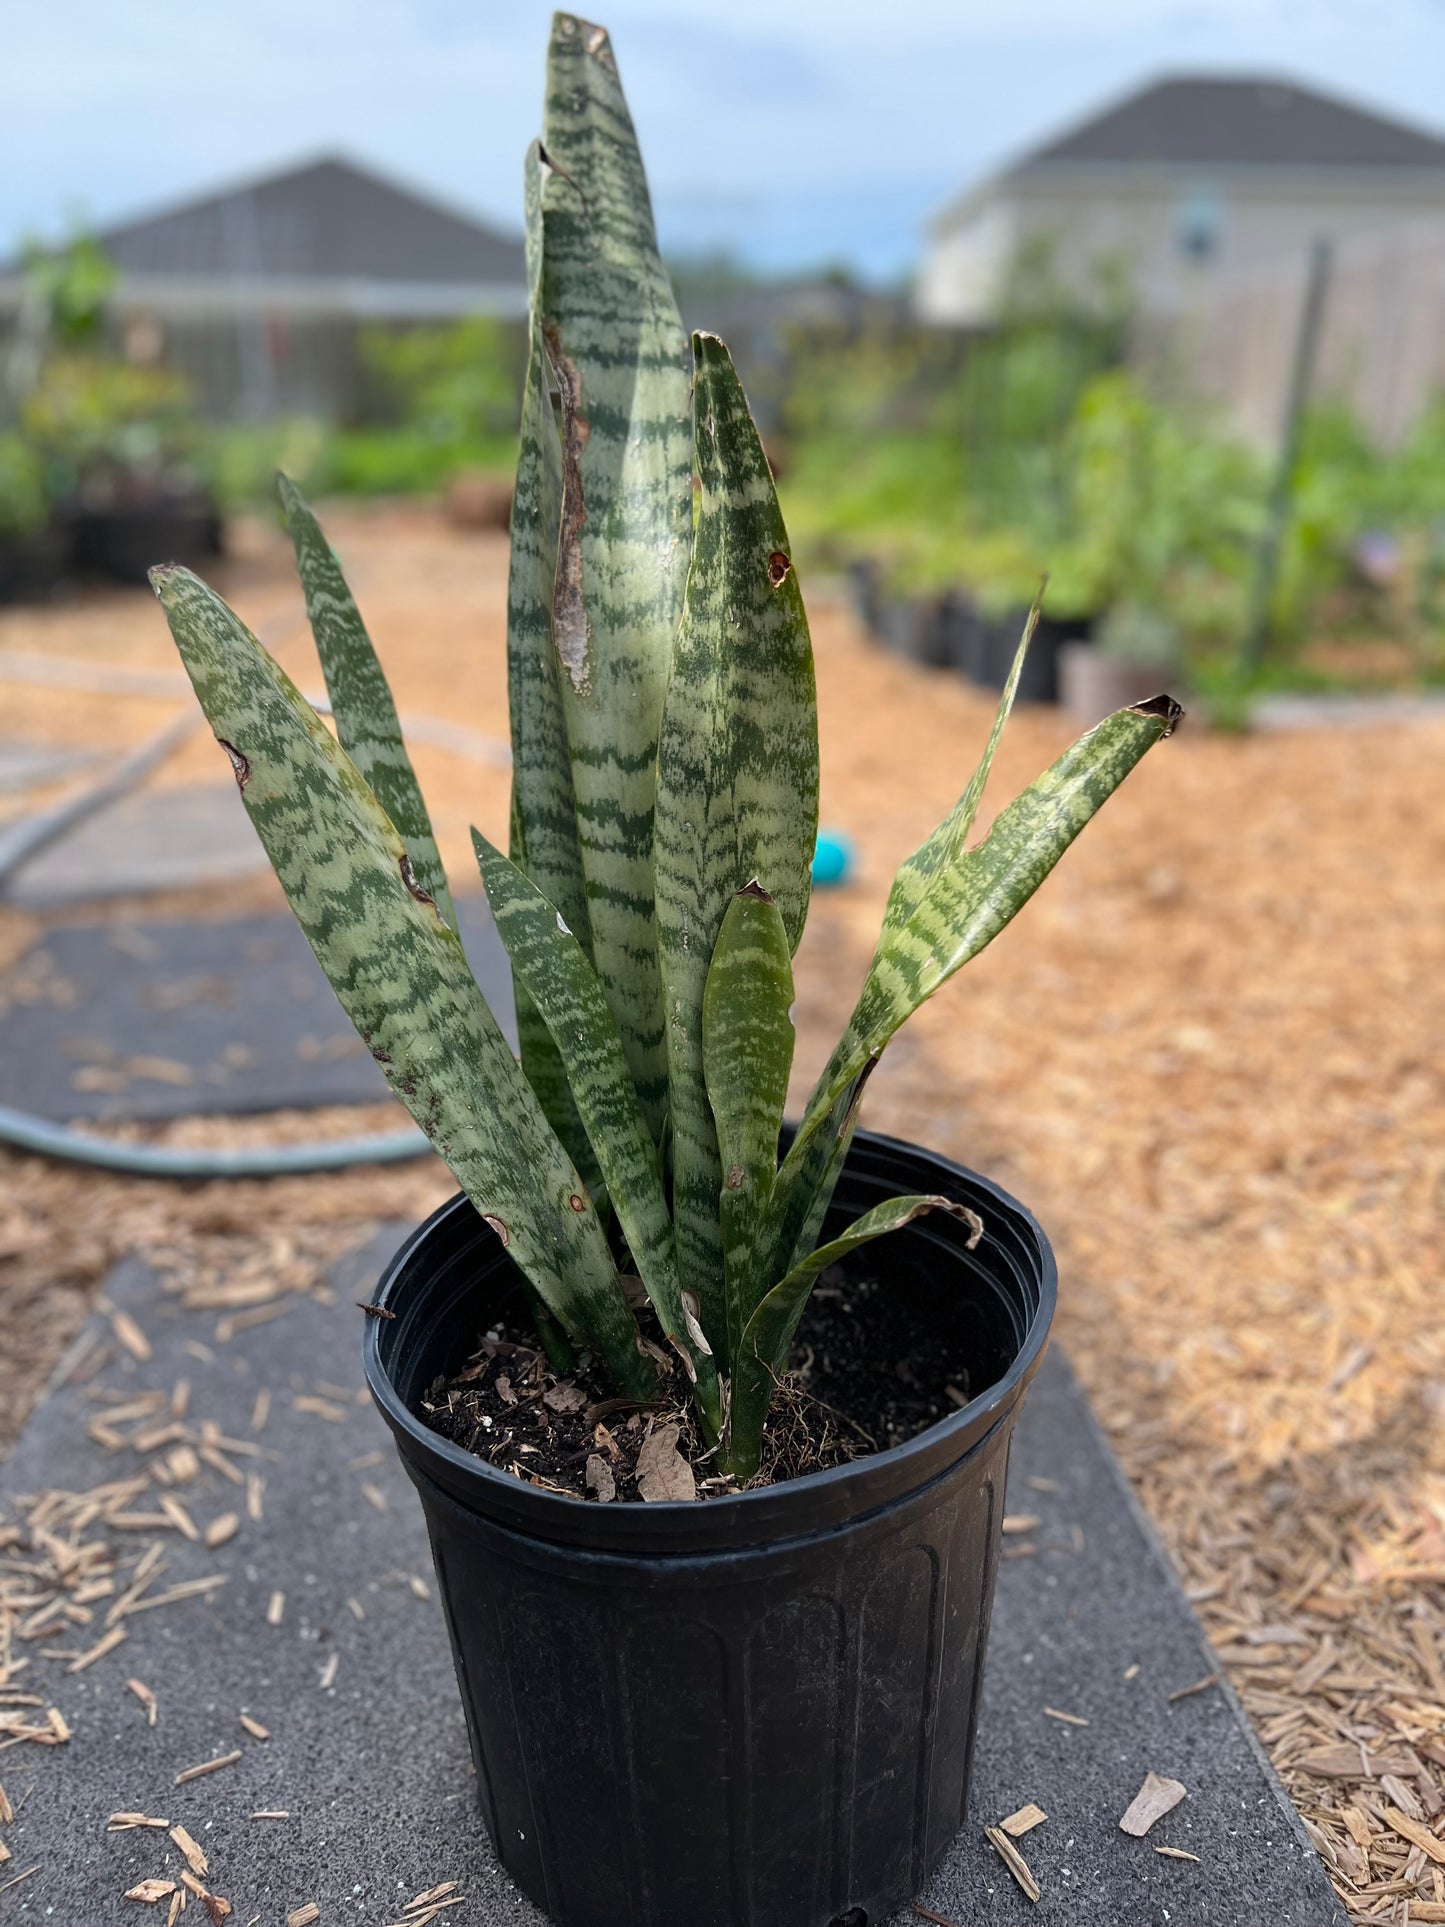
x=105, y=430
x=23, y=504
x=459, y=384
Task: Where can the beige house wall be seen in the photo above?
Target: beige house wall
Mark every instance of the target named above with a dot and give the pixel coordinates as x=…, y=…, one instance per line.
x=1137, y=217
x=1381, y=348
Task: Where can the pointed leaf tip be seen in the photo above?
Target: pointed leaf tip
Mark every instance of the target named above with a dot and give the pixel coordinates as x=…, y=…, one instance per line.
x=1165, y=706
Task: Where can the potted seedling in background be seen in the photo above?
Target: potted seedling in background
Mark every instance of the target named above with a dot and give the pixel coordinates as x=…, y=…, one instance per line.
x=1134, y=649
x=752, y=1695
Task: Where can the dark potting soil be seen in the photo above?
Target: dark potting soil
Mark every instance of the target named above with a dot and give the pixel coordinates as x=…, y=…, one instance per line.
x=867, y=1372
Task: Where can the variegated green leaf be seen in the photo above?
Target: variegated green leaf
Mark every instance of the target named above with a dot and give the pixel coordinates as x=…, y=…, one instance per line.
x=361, y=700
x=544, y=813
x=747, y=1046
x=768, y=1337
x=399, y=971
x=971, y=898
x=563, y=987
x=943, y=846
x=616, y=356
x=737, y=794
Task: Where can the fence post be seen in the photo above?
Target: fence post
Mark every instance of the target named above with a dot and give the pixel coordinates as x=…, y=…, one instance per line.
x=1281, y=497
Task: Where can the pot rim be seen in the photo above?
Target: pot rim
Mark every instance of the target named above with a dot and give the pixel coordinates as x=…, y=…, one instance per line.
x=767, y=1513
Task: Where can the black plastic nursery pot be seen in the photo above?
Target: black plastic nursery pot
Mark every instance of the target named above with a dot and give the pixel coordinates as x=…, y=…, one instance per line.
x=994, y=653
x=754, y=1711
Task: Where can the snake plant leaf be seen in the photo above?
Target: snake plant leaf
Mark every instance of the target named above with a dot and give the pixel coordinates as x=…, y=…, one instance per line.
x=361, y=699
x=616, y=357
x=768, y=1335
x=544, y=813
x=563, y=988
x=737, y=795
x=400, y=972
x=942, y=847
x=972, y=896
x=747, y=1045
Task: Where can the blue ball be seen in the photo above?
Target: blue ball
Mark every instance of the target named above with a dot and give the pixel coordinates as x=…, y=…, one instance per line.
x=832, y=859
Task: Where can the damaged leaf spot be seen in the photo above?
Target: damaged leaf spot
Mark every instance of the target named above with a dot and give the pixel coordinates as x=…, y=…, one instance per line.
x=780, y=567
x=735, y=1178
x=569, y=608
x=240, y=767
x=596, y=45
x=1165, y=706
x=500, y=1229
x=756, y=890
x=692, y=1318
x=577, y=1203
x=408, y=877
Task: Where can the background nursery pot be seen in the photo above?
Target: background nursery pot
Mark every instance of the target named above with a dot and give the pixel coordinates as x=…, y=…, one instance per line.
x=757, y=1711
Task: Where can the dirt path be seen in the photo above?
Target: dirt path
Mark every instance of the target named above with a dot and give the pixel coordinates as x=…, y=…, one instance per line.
x=1209, y=1056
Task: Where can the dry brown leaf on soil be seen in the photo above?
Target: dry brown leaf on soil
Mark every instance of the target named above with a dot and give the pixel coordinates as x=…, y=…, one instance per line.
x=1178, y=1853
x=564, y=1397
x=305, y=1916
x=662, y=1472
x=255, y=1728
x=150, y=1891
x=125, y=1822
x=1158, y=1795
x=599, y=1480
x=1013, y=1860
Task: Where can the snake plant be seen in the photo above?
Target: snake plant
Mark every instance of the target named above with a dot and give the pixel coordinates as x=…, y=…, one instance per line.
x=663, y=821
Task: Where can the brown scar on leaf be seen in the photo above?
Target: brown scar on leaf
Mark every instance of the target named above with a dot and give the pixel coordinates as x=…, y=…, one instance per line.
x=1165, y=706
x=596, y=45
x=408, y=877
x=500, y=1228
x=374, y=1311
x=577, y=1203
x=240, y=766
x=756, y=890
x=569, y=609
x=780, y=567
x=735, y=1178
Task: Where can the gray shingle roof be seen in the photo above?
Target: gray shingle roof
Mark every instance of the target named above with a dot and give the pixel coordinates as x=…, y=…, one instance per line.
x=329, y=220
x=1239, y=123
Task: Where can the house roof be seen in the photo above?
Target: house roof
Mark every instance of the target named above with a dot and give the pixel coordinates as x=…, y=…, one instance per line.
x=327, y=221
x=1238, y=122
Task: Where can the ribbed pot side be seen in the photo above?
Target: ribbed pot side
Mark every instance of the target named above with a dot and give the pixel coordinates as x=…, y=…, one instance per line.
x=757, y=1711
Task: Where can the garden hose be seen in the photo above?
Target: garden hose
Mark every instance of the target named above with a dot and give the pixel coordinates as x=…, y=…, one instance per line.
x=38, y=1134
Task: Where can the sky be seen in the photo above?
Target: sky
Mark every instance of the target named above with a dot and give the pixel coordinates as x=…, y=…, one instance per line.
x=787, y=133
